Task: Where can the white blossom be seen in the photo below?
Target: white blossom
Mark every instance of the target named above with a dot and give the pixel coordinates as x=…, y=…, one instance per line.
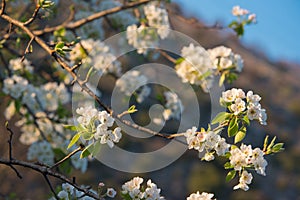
x=41, y=151
x=142, y=38
x=94, y=53
x=130, y=81
x=173, y=106
x=63, y=195
x=18, y=65
x=158, y=18
x=111, y=192
x=132, y=187
x=238, y=11
x=196, y=68
x=202, y=196
x=14, y=86
x=244, y=181
x=223, y=58
x=238, y=106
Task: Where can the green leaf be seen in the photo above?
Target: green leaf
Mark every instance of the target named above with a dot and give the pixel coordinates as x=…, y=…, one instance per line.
x=230, y=175
x=277, y=148
x=97, y=147
x=246, y=120
x=222, y=116
x=240, y=135
x=87, y=151
x=87, y=135
x=227, y=165
x=74, y=140
x=233, y=127
x=132, y=109
x=266, y=143
x=271, y=143
x=18, y=105
x=59, y=45
x=222, y=79
x=179, y=60
x=70, y=127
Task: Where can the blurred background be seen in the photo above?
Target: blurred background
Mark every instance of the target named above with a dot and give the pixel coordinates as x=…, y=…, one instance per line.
x=271, y=52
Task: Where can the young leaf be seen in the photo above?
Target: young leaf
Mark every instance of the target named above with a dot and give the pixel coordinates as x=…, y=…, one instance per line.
x=277, y=148
x=227, y=165
x=222, y=79
x=59, y=45
x=87, y=151
x=230, y=175
x=240, y=135
x=132, y=109
x=97, y=146
x=179, y=60
x=74, y=140
x=233, y=127
x=222, y=116
x=70, y=127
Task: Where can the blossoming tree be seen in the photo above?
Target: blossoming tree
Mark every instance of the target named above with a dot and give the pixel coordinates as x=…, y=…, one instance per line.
x=42, y=96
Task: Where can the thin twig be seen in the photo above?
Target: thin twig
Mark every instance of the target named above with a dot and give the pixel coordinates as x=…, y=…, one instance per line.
x=3, y=4
x=50, y=186
x=16, y=171
x=27, y=50
x=47, y=171
x=9, y=141
x=32, y=18
x=67, y=157
x=95, y=16
x=167, y=56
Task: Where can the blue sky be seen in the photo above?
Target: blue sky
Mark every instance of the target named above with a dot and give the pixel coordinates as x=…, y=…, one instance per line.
x=277, y=32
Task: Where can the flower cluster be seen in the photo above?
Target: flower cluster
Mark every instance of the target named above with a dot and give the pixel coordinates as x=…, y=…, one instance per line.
x=143, y=37
x=246, y=157
x=70, y=192
x=133, y=190
x=196, y=67
x=244, y=17
x=173, y=106
x=130, y=81
x=47, y=97
x=157, y=17
x=240, y=104
x=17, y=64
x=41, y=151
x=95, y=53
x=97, y=125
x=223, y=58
x=209, y=141
x=202, y=196
x=243, y=13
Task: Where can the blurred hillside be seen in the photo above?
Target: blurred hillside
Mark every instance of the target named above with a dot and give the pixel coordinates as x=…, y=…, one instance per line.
x=279, y=86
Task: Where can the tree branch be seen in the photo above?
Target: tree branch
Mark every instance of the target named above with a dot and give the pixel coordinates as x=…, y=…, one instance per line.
x=67, y=156
x=44, y=170
x=95, y=16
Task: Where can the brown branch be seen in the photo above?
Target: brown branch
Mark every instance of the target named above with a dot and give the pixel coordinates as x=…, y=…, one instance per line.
x=3, y=4
x=32, y=18
x=50, y=186
x=67, y=156
x=95, y=16
x=44, y=170
x=27, y=50
x=11, y=133
x=167, y=56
